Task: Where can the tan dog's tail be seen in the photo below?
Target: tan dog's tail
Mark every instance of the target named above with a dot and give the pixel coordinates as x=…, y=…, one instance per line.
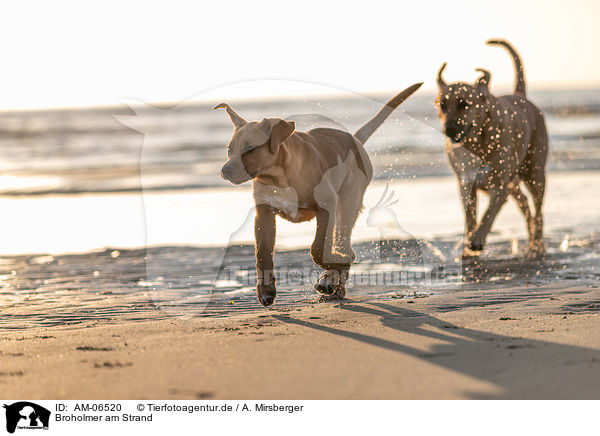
x=367, y=130
x=519, y=74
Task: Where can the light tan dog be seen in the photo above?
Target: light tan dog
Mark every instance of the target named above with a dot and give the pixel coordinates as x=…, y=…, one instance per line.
x=493, y=144
x=321, y=173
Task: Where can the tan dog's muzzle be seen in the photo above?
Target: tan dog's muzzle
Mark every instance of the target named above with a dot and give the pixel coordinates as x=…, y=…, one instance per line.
x=233, y=171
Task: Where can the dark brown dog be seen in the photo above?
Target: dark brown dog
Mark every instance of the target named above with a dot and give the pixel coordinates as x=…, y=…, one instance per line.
x=493, y=144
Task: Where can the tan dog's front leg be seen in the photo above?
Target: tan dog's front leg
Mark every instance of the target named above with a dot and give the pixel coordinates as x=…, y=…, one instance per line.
x=498, y=197
x=264, y=232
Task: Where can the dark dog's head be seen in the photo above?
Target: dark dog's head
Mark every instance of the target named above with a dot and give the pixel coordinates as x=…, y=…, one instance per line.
x=254, y=146
x=463, y=107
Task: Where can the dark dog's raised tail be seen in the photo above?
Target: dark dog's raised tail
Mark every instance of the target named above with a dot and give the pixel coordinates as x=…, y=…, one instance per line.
x=519, y=74
x=367, y=130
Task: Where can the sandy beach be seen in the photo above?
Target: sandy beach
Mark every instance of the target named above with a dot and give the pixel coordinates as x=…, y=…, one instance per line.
x=89, y=329
x=518, y=342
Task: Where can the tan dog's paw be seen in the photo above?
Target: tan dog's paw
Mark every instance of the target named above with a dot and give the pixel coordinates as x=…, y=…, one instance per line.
x=327, y=283
x=338, y=294
x=266, y=293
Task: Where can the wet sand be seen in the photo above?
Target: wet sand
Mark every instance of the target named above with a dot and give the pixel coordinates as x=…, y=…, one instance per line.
x=507, y=329
x=525, y=341
x=120, y=286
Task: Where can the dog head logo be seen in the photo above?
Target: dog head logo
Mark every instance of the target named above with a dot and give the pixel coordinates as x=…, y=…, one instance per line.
x=26, y=415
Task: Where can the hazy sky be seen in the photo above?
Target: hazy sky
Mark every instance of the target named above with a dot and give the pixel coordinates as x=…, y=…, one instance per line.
x=69, y=53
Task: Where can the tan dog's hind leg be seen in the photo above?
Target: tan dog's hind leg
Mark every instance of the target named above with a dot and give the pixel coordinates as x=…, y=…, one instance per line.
x=351, y=193
x=324, y=254
x=347, y=215
x=264, y=232
x=349, y=208
x=323, y=248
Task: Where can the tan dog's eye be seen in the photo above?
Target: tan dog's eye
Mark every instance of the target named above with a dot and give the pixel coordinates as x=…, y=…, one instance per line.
x=251, y=148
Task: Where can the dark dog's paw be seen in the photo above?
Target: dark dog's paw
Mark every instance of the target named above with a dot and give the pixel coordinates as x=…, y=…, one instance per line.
x=536, y=252
x=476, y=247
x=472, y=248
x=266, y=293
x=327, y=283
x=468, y=254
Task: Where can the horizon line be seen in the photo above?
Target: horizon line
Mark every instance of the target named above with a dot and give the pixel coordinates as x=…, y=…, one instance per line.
x=340, y=93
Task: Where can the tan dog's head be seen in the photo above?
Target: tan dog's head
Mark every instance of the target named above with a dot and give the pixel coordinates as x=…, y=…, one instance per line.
x=463, y=107
x=254, y=146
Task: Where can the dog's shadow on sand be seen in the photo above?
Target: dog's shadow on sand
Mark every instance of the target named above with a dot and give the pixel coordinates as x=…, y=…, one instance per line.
x=476, y=270
x=520, y=368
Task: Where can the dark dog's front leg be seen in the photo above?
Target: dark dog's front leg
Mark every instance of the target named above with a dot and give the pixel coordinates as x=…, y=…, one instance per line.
x=469, y=199
x=497, y=199
x=264, y=232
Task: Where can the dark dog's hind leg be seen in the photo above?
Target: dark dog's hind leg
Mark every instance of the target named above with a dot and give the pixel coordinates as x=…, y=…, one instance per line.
x=521, y=199
x=537, y=188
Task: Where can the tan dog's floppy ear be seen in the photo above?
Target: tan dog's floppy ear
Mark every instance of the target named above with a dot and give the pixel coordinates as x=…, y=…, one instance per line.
x=235, y=118
x=279, y=133
x=265, y=126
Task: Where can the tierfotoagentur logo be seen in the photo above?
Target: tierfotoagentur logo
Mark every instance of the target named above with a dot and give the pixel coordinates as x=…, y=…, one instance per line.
x=25, y=415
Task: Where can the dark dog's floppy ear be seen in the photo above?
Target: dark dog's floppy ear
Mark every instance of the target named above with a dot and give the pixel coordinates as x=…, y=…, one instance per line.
x=484, y=80
x=440, y=79
x=280, y=132
x=235, y=118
